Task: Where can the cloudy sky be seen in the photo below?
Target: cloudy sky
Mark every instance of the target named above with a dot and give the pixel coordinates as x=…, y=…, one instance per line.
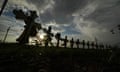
x=83, y=19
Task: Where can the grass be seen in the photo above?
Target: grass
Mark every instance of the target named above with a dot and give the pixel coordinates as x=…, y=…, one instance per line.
x=26, y=58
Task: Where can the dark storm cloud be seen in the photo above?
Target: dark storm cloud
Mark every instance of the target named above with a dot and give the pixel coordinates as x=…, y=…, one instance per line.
x=46, y=17
x=109, y=14
x=41, y=5
x=63, y=9
x=60, y=19
x=61, y=6
x=38, y=3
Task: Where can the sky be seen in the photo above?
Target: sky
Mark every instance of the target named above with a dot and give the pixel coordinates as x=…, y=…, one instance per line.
x=80, y=19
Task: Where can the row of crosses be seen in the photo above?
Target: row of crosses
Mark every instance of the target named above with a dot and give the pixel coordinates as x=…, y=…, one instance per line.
x=77, y=42
x=32, y=28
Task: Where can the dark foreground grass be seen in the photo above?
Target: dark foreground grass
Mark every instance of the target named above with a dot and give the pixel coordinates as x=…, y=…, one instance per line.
x=25, y=58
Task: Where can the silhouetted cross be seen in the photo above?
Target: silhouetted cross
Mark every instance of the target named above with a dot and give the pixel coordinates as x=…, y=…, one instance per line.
x=31, y=26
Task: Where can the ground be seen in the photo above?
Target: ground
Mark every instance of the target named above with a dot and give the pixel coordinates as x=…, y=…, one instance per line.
x=26, y=58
